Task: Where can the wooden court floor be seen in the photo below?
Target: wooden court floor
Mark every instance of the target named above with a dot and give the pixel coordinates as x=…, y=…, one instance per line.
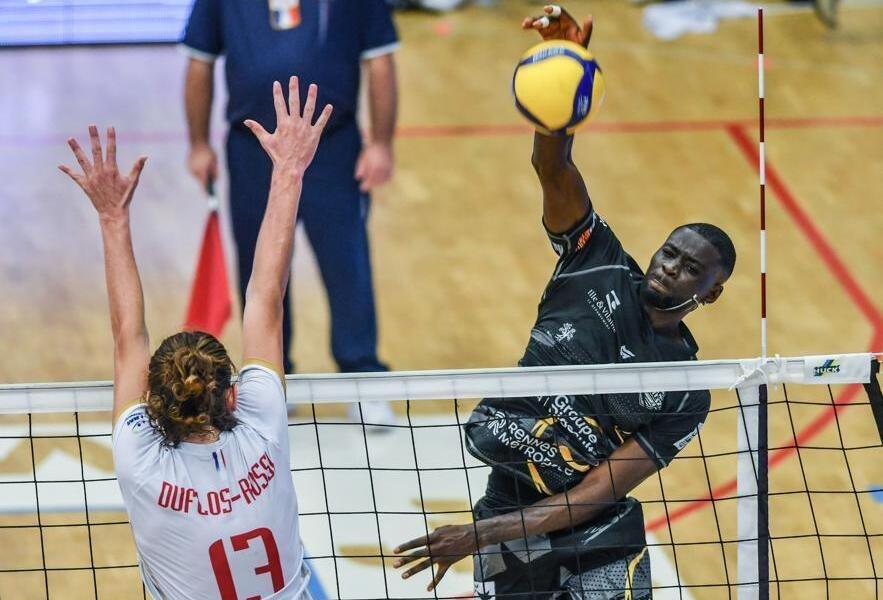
x=459, y=254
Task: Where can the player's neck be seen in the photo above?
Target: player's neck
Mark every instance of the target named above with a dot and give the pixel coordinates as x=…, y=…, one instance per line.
x=666, y=323
x=208, y=437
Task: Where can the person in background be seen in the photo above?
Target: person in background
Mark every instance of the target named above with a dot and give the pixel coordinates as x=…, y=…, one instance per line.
x=327, y=42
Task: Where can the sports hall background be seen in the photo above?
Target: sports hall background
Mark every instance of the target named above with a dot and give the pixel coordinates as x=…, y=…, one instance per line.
x=460, y=258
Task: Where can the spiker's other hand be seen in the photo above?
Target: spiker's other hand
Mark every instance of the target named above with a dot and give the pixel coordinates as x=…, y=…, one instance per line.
x=557, y=24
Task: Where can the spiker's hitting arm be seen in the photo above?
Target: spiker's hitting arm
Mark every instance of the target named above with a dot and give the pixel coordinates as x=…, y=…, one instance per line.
x=565, y=198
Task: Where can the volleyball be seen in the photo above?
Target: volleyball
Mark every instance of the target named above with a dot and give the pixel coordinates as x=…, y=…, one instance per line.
x=558, y=86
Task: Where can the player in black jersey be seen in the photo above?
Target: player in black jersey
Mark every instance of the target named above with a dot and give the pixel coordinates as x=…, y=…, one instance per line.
x=556, y=519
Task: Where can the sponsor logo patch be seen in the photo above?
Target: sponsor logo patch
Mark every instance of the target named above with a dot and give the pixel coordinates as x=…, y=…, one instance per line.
x=828, y=367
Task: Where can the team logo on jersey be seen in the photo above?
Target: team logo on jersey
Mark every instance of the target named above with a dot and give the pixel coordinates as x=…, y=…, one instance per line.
x=565, y=333
x=136, y=419
x=830, y=366
x=625, y=353
x=603, y=308
x=652, y=400
x=612, y=301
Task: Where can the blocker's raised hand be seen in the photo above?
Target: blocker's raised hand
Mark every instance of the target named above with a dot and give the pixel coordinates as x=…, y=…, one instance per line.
x=110, y=192
x=558, y=24
x=293, y=144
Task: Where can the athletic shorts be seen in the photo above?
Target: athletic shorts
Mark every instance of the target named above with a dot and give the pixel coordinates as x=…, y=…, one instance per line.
x=627, y=578
x=605, y=559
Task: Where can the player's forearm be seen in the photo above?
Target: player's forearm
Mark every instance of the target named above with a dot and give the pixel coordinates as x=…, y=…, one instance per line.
x=272, y=258
x=124, y=292
x=382, y=98
x=565, y=197
x=603, y=486
x=555, y=513
x=198, y=95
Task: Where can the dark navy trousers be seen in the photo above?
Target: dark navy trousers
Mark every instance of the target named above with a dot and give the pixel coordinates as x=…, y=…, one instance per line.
x=334, y=214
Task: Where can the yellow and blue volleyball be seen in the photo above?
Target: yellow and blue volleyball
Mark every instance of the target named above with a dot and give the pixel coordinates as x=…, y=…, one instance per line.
x=558, y=86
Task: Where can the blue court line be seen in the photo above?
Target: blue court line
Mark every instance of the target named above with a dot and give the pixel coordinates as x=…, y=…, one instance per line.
x=876, y=493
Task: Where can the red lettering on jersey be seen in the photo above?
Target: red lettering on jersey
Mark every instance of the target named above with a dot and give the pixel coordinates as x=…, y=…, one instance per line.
x=214, y=503
x=177, y=503
x=226, y=501
x=268, y=465
x=191, y=495
x=255, y=487
x=165, y=495
x=199, y=507
x=245, y=487
x=583, y=238
x=257, y=475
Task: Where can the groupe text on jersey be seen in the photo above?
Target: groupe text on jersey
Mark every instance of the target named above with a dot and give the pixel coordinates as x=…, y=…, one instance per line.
x=216, y=521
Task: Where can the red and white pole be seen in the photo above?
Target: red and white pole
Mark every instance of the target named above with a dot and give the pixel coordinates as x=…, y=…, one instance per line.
x=762, y=171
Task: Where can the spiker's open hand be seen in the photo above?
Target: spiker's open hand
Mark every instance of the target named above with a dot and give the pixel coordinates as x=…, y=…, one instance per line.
x=293, y=145
x=440, y=549
x=109, y=191
x=558, y=24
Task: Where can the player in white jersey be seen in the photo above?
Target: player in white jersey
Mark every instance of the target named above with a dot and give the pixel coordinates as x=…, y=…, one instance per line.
x=203, y=464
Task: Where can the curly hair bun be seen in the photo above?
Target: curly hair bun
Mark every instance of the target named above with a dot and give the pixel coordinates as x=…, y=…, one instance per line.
x=188, y=378
x=193, y=386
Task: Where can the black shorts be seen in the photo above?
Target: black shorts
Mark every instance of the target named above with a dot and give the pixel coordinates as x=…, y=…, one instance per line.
x=605, y=559
x=627, y=578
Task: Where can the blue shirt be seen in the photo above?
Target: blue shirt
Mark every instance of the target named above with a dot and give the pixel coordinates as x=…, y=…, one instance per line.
x=334, y=36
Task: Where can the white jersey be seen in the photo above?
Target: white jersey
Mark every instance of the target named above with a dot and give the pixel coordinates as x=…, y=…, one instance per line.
x=216, y=521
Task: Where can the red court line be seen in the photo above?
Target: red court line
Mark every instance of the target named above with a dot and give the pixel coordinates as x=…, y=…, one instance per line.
x=806, y=225
x=844, y=278
x=490, y=130
x=645, y=126
x=728, y=489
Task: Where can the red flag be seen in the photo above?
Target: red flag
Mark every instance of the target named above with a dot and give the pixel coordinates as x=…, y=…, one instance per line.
x=210, y=305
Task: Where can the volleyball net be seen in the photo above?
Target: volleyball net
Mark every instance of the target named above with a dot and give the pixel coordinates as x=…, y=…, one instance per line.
x=780, y=494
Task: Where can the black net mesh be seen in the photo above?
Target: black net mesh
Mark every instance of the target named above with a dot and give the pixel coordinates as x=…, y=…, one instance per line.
x=364, y=489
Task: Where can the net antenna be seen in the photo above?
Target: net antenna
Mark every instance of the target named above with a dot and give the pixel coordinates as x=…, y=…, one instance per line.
x=761, y=170
x=753, y=576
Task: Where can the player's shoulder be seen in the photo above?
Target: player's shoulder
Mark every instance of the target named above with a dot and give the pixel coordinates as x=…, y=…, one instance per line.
x=262, y=371
x=590, y=242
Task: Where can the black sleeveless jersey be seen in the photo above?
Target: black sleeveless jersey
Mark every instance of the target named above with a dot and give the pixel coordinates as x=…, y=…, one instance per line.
x=590, y=313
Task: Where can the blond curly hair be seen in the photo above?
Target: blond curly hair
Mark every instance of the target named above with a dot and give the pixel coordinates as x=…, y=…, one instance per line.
x=187, y=381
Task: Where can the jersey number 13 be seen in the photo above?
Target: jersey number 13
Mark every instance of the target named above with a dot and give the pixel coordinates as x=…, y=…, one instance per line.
x=221, y=566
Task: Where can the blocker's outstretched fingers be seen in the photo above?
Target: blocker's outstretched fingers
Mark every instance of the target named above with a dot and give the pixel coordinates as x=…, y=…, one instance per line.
x=78, y=179
x=293, y=95
x=553, y=10
x=112, y=147
x=279, y=103
x=257, y=129
x=80, y=155
x=95, y=139
x=310, y=105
